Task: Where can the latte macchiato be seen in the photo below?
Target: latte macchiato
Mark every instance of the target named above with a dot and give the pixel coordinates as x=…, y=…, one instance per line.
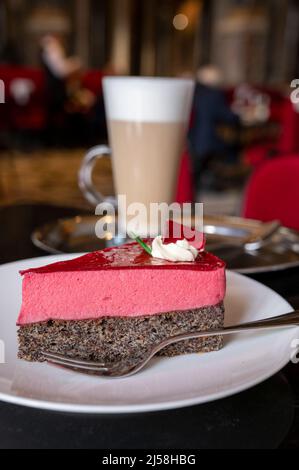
x=147, y=121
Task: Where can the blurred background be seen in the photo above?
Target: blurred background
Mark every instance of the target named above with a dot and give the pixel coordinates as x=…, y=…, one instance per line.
x=243, y=55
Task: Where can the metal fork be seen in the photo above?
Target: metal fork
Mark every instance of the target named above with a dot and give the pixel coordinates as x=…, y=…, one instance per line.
x=129, y=367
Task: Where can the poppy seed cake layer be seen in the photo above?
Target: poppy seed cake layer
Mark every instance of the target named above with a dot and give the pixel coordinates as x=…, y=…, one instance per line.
x=114, y=338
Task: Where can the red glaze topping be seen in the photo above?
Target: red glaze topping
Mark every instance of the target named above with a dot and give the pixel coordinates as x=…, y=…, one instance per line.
x=128, y=256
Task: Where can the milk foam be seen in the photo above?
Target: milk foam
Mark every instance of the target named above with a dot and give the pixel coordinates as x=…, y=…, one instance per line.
x=148, y=99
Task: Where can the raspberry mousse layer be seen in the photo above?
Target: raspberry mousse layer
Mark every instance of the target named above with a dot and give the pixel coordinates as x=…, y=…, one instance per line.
x=119, y=282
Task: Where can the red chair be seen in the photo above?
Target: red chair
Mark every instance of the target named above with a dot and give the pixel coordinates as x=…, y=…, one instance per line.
x=288, y=139
x=273, y=192
x=32, y=115
x=185, y=190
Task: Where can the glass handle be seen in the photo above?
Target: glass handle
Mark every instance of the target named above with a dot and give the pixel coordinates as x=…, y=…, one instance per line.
x=85, y=176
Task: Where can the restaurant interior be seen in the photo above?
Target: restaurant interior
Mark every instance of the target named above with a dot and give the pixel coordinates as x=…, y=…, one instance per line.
x=240, y=158
x=246, y=48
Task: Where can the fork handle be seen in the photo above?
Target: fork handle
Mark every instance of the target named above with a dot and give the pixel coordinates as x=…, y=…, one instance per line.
x=272, y=323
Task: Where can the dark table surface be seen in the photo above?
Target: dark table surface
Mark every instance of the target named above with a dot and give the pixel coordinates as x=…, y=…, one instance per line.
x=266, y=416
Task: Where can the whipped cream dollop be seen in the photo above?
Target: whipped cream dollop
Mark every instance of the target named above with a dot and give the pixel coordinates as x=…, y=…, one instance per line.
x=179, y=251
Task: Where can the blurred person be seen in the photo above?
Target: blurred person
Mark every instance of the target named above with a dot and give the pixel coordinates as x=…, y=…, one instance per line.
x=210, y=110
x=58, y=68
x=54, y=58
x=80, y=108
x=67, y=101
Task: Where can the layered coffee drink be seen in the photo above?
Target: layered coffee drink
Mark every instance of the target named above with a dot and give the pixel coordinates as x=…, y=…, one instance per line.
x=147, y=122
x=146, y=156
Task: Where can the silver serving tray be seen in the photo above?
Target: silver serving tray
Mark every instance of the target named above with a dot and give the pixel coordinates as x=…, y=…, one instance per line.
x=225, y=238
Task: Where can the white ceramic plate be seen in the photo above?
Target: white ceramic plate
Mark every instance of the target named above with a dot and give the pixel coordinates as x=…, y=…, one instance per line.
x=246, y=359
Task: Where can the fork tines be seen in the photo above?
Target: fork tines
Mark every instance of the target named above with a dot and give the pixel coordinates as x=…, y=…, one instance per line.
x=74, y=364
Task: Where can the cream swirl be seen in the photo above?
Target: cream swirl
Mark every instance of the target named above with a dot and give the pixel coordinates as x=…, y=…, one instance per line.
x=179, y=251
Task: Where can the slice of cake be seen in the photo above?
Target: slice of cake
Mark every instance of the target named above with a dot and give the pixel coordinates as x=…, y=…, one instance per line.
x=118, y=302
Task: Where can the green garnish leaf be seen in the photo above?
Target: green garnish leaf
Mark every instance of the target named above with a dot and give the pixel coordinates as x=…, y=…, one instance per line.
x=142, y=243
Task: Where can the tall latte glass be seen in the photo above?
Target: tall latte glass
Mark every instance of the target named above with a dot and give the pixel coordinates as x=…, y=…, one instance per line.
x=147, y=122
